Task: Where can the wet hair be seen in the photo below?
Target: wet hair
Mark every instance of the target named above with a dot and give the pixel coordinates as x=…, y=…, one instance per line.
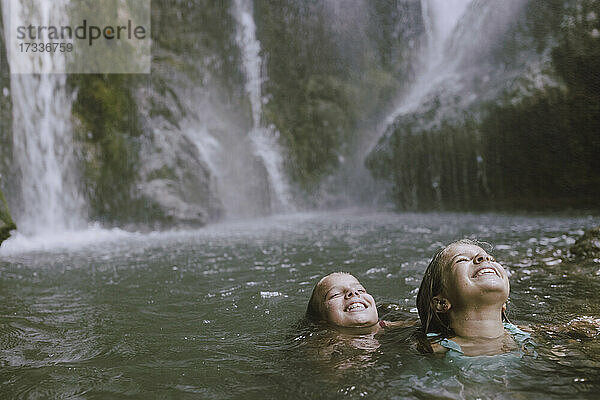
x=433, y=285
x=314, y=313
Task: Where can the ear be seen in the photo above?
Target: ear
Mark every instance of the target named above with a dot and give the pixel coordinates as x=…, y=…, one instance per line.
x=441, y=304
x=504, y=307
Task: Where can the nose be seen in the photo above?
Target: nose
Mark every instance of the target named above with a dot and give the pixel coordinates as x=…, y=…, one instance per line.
x=351, y=293
x=482, y=257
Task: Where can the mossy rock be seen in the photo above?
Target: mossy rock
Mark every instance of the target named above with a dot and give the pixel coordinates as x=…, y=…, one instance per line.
x=588, y=245
x=6, y=222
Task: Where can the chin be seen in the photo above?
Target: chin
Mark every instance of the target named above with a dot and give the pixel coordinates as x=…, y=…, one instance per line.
x=495, y=289
x=366, y=321
x=494, y=285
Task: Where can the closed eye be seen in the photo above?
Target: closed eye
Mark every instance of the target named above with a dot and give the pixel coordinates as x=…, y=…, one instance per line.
x=336, y=294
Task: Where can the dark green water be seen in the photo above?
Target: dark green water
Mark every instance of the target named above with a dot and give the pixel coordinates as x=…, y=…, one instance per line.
x=212, y=313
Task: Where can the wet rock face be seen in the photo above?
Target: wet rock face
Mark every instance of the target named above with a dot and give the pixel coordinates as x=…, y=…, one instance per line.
x=588, y=246
x=176, y=185
x=6, y=222
x=492, y=135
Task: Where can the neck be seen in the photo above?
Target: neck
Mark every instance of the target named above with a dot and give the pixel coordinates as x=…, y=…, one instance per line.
x=358, y=330
x=481, y=322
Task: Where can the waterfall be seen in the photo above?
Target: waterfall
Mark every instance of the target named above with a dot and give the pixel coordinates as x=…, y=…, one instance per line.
x=435, y=62
x=441, y=18
x=434, y=146
x=455, y=30
x=42, y=133
x=263, y=139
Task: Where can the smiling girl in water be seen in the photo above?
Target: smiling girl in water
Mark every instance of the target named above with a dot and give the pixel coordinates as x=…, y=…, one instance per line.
x=340, y=304
x=341, y=301
x=461, y=303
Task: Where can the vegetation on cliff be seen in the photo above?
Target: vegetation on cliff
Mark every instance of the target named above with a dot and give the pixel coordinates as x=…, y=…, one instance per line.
x=6, y=222
x=530, y=147
x=106, y=128
x=331, y=70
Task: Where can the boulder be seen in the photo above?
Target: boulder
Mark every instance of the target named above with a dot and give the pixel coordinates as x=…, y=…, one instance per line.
x=588, y=245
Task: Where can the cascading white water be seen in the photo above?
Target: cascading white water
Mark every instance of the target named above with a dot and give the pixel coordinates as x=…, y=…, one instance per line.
x=264, y=139
x=436, y=64
x=42, y=134
x=441, y=18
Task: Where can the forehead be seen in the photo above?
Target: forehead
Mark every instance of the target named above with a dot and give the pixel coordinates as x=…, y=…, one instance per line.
x=462, y=248
x=334, y=280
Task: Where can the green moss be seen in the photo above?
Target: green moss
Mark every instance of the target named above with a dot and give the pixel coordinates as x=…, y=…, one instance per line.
x=163, y=173
x=107, y=128
x=315, y=127
x=6, y=222
x=207, y=45
x=103, y=105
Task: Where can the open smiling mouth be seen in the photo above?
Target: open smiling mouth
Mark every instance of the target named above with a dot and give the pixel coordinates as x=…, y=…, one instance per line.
x=356, y=307
x=484, y=271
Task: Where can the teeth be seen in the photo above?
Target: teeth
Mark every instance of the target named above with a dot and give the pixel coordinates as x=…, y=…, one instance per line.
x=355, y=306
x=485, y=271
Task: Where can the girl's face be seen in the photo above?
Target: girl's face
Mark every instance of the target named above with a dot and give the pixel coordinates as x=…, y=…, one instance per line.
x=345, y=302
x=472, y=276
